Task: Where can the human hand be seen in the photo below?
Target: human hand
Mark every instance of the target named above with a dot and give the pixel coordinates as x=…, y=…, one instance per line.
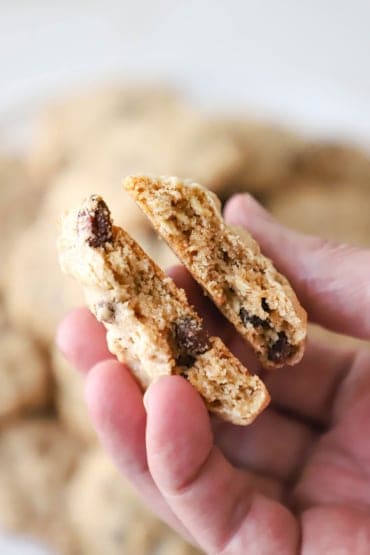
x=296, y=480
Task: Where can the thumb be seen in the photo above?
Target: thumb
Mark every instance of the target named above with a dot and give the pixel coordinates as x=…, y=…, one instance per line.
x=331, y=280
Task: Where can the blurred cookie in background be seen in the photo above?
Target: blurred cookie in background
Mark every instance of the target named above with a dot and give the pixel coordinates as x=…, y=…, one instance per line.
x=189, y=145
x=268, y=152
x=18, y=205
x=135, y=130
x=37, y=295
x=71, y=124
x=69, y=399
x=338, y=213
x=108, y=517
x=206, y=152
x=25, y=377
x=3, y=318
x=334, y=162
x=336, y=339
x=37, y=458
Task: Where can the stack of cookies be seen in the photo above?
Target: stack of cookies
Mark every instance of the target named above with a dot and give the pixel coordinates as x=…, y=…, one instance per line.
x=55, y=482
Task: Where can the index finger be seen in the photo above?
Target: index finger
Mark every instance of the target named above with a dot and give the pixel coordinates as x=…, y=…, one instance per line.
x=81, y=338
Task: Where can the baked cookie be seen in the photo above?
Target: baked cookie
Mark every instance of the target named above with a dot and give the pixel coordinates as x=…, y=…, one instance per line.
x=269, y=152
x=37, y=296
x=228, y=264
x=24, y=376
x=137, y=129
x=3, y=318
x=150, y=324
x=37, y=457
x=185, y=143
x=333, y=162
x=69, y=126
x=340, y=215
x=69, y=398
x=18, y=204
x=107, y=516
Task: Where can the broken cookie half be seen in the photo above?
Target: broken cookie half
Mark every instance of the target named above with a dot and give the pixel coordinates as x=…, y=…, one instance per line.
x=228, y=264
x=150, y=324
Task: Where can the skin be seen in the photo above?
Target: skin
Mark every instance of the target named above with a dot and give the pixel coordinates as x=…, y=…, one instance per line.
x=298, y=479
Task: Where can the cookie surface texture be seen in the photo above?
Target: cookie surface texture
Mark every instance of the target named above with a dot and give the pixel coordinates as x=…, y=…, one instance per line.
x=228, y=264
x=150, y=324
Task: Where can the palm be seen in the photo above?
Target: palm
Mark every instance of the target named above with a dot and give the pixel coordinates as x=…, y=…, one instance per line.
x=314, y=454
x=309, y=449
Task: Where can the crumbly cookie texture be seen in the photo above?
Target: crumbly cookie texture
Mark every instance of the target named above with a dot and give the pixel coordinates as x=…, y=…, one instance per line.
x=150, y=324
x=229, y=265
x=37, y=458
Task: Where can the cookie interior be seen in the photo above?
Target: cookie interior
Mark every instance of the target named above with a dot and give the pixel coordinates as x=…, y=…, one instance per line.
x=228, y=263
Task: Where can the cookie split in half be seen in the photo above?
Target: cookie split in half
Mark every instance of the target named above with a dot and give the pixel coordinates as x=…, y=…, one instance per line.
x=228, y=264
x=150, y=324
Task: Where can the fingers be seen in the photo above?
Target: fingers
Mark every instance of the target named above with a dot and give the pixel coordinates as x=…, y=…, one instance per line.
x=116, y=408
x=81, y=338
x=114, y=399
x=115, y=404
x=331, y=280
x=335, y=528
x=274, y=445
x=214, y=500
x=309, y=389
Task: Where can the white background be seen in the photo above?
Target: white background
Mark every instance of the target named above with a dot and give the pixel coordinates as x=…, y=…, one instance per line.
x=303, y=62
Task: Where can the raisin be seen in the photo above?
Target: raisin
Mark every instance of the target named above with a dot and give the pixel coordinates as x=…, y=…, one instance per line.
x=253, y=319
x=190, y=340
x=265, y=305
x=281, y=349
x=185, y=360
x=225, y=256
x=98, y=222
x=190, y=336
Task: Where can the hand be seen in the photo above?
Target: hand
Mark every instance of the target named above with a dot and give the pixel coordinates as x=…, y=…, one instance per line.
x=295, y=481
